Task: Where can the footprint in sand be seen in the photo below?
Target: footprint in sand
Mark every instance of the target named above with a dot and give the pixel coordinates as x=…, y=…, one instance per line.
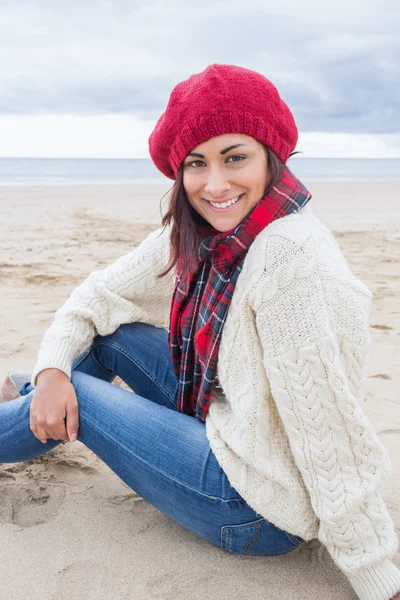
x=30, y=496
x=34, y=491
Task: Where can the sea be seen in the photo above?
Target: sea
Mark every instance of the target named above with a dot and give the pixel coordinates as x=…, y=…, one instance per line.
x=112, y=171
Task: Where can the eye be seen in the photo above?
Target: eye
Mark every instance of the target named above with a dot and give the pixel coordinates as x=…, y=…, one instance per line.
x=236, y=156
x=192, y=164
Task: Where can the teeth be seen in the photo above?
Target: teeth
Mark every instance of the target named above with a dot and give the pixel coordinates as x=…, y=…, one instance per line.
x=225, y=204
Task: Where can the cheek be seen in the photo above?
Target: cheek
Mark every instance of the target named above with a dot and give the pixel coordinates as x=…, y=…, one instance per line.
x=260, y=184
x=188, y=185
x=192, y=191
x=189, y=196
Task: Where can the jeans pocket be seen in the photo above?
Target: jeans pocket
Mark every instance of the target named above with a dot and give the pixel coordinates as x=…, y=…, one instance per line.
x=258, y=537
x=241, y=538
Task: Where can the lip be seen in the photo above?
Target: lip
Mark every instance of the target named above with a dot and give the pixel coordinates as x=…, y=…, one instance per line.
x=227, y=208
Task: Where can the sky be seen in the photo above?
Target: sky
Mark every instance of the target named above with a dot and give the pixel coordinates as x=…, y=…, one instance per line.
x=91, y=78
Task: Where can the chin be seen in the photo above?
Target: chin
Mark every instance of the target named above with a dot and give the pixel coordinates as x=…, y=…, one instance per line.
x=224, y=227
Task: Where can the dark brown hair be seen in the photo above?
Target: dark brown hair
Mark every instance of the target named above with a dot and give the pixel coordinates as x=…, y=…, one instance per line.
x=185, y=237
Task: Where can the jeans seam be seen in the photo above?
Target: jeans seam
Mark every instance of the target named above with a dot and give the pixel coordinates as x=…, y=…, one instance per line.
x=135, y=362
x=223, y=538
x=257, y=533
x=106, y=433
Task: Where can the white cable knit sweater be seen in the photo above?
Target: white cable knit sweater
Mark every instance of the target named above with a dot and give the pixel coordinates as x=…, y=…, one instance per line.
x=288, y=427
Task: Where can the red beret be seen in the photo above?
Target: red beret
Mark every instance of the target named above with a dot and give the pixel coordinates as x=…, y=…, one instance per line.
x=221, y=99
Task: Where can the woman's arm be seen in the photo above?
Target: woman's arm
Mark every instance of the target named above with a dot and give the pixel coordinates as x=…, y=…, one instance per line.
x=126, y=291
x=314, y=354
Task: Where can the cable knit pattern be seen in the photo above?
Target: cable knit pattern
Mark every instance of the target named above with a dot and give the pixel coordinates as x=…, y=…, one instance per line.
x=287, y=424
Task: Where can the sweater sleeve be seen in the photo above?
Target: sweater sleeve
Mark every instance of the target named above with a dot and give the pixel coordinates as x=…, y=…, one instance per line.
x=314, y=330
x=126, y=291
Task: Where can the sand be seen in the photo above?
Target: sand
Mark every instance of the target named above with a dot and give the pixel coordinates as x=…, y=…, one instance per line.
x=70, y=529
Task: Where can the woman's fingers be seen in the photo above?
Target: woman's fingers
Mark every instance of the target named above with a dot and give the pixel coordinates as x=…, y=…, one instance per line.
x=54, y=407
x=72, y=421
x=42, y=435
x=38, y=432
x=61, y=431
x=44, y=428
x=55, y=428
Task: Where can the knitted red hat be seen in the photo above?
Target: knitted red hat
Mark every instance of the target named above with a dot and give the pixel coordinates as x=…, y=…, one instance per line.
x=221, y=99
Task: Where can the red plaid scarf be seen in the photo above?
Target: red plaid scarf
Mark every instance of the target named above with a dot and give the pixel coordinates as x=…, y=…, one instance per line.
x=197, y=318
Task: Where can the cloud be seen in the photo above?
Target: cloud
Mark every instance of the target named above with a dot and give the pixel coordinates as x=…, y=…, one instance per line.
x=335, y=64
x=58, y=136
x=126, y=136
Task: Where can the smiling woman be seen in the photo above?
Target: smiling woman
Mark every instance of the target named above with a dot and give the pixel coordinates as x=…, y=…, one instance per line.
x=253, y=173
x=244, y=335
x=226, y=186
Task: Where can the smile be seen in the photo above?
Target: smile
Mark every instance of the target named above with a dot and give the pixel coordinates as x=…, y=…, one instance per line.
x=224, y=206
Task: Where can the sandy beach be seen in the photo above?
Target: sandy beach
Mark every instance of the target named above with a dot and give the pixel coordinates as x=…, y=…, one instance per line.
x=70, y=528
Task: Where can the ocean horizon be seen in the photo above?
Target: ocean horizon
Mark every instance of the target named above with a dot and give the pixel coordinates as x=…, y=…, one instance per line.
x=117, y=171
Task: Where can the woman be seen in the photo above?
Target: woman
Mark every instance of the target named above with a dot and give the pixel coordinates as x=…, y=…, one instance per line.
x=244, y=335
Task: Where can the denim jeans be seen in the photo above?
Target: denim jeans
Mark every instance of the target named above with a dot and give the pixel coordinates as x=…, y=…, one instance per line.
x=162, y=454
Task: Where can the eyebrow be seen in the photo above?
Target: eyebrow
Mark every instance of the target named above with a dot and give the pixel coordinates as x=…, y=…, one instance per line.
x=224, y=151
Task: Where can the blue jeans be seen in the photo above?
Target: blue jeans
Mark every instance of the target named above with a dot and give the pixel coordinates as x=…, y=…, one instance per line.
x=162, y=454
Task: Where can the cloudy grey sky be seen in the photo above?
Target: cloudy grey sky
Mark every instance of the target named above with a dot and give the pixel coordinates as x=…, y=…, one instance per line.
x=91, y=77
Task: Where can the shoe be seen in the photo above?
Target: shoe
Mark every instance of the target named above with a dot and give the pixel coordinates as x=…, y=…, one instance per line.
x=12, y=384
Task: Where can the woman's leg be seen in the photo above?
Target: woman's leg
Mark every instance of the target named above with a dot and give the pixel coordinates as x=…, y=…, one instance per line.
x=161, y=454
x=138, y=353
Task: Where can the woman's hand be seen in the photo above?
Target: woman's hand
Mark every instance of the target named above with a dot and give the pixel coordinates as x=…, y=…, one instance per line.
x=396, y=597
x=54, y=407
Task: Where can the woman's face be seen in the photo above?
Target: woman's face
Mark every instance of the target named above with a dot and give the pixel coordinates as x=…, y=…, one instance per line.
x=222, y=169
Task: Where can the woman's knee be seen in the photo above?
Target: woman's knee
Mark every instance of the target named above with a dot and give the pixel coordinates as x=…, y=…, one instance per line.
x=90, y=391
x=130, y=334
x=82, y=383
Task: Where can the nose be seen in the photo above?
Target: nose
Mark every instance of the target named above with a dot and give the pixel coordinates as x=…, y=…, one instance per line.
x=216, y=183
